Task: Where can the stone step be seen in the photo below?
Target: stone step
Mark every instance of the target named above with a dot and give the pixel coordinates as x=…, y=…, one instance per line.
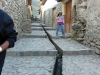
x=67, y=46
x=71, y=47
x=36, y=24
x=30, y=65
x=44, y=25
x=52, y=34
x=32, y=53
x=35, y=34
x=36, y=21
x=37, y=28
x=49, y=28
x=32, y=47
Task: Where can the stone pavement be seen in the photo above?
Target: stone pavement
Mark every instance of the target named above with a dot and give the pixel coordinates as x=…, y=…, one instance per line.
x=50, y=28
x=32, y=47
x=37, y=56
x=32, y=55
x=77, y=59
x=52, y=33
x=35, y=34
x=30, y=65
x=37, y=28
x=36, y=24
x=68, y=46
x=71, y=47
x=81, y=65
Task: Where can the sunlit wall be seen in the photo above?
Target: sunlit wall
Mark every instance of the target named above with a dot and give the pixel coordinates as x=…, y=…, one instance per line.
x=49, y=4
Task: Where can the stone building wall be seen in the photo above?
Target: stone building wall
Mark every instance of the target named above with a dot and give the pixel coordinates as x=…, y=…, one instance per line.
x=0, y=4
x=47, y=19
x=18, y=11
x=58, y=7
x=50, y=17
x=79, y=13
x=87, y=15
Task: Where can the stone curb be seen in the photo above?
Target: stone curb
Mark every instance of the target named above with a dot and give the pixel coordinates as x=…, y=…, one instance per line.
x=32, y=53
x=34, y=36
x=58, y=37
x=36, y=28
x=35, y=25
x=81, y=52
x=49, y=28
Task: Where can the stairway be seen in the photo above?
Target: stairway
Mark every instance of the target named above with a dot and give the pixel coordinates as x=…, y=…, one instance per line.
x=77, y=59
x=43, y=53
x=33, y=54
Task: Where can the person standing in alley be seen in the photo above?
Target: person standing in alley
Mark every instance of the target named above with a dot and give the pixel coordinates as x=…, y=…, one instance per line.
x=60, y=23
x=8, y=36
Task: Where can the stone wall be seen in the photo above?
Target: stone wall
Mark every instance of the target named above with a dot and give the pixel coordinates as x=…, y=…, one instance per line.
x=58, y=7
x=0, y=4
x=87, y=15
x=47, y=18
x=79, y=12
x=50, y=18
x=18, y=11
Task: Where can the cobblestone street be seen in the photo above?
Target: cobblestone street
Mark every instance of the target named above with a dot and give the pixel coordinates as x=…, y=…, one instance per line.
x=81, y=65
x=35, y=54
x=55, y=37
x=30, y=65
x=32, y=55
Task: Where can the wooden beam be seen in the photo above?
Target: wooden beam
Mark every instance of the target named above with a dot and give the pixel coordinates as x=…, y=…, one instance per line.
x=58, y=0
x=29, y=2
x=43, y=2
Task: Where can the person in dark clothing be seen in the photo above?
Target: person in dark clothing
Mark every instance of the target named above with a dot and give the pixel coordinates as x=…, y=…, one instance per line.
x=8, y=35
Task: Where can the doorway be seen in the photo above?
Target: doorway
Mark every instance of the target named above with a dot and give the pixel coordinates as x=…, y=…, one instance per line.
x=68, y=20
x=54, y=17
x=44, y=17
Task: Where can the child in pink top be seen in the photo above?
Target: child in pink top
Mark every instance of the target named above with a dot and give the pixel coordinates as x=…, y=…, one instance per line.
x=60, y=19
x=60, y=23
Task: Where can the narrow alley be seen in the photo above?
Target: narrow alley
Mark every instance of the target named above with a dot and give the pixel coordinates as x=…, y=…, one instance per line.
x=42, y=48
x=35, y=54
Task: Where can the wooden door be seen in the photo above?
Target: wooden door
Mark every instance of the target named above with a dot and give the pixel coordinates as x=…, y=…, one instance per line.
x=68, y=26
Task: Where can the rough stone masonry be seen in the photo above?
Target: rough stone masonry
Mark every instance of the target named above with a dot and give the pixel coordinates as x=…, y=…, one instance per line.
x=17, y=9
x=87, y=15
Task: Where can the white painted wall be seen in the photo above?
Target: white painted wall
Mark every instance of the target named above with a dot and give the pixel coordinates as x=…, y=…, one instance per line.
x=49, y=4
